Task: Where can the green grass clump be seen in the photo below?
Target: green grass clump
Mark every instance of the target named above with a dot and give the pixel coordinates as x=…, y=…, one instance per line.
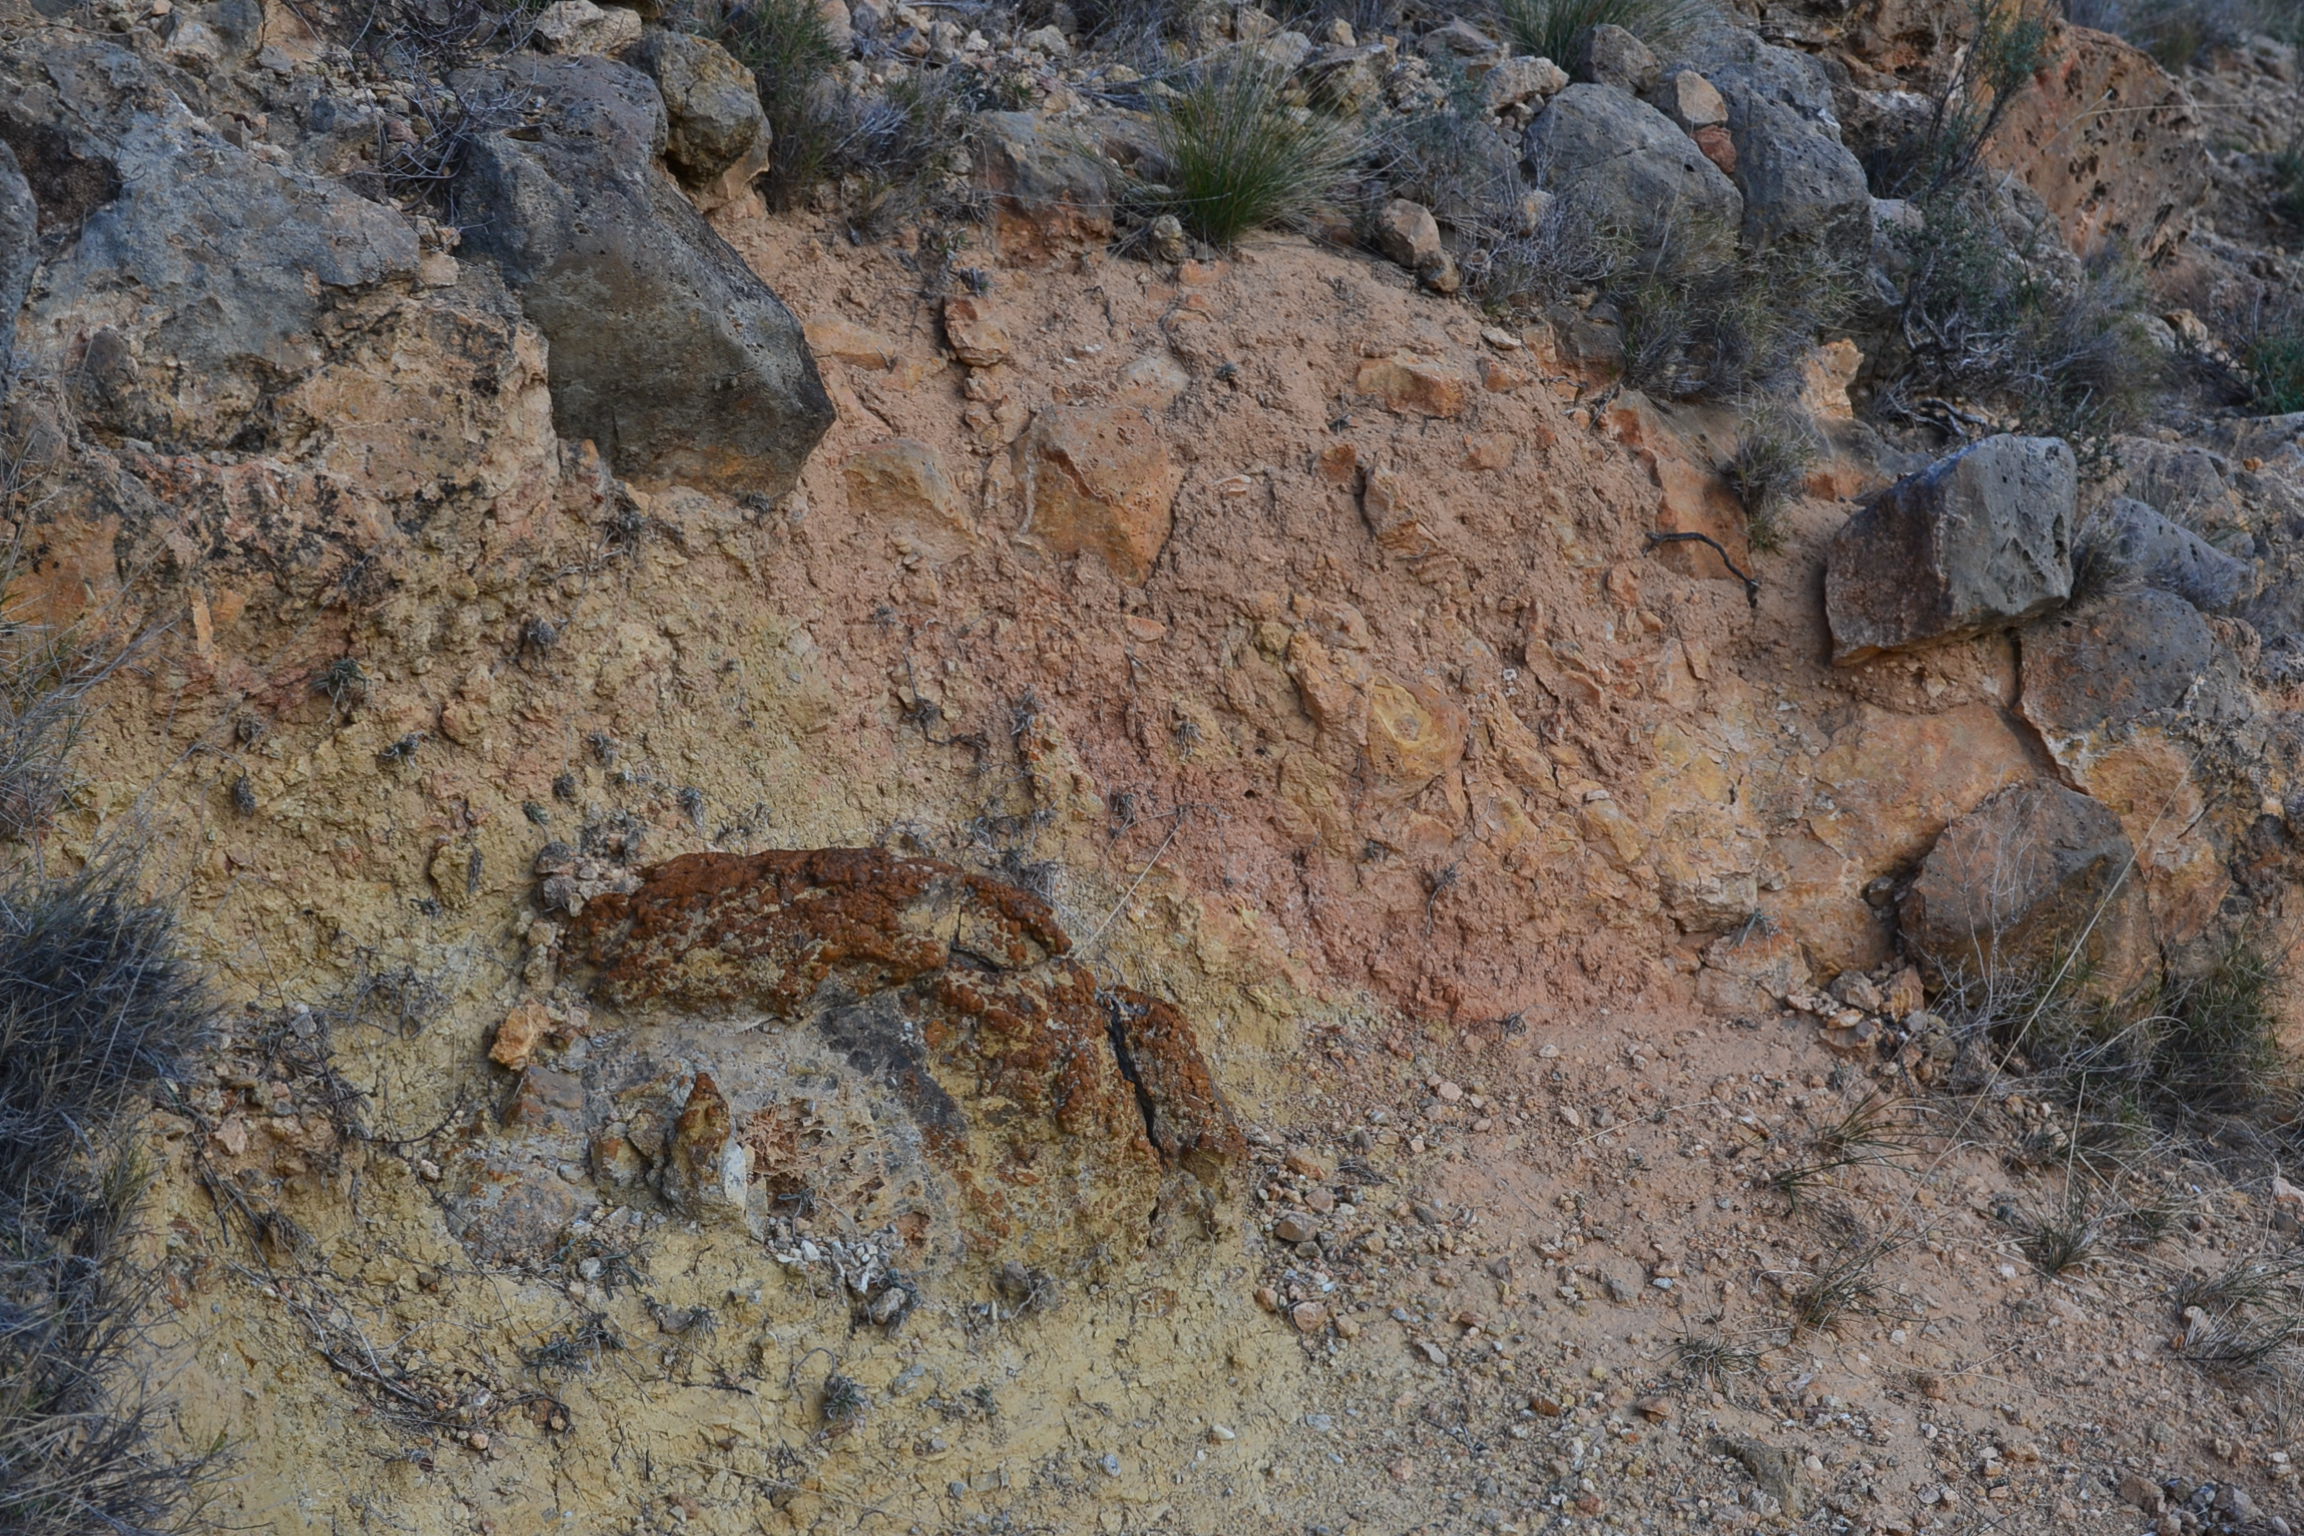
x=2271, y=354
x=1547, y=28
x=2216, y=1047
x=792, y=52
x=1774, y=452
x=1236, y=157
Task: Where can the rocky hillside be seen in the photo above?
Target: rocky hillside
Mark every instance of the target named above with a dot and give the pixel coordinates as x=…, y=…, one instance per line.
x=948, y=769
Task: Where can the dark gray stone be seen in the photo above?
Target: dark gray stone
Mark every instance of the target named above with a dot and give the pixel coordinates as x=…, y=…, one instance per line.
x=190, y=277
x=2136, y=543
x=1979, y=540
x=1622, y=167
x=666, y=349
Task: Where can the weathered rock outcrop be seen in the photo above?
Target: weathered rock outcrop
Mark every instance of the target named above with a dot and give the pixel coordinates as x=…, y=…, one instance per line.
x=711, y=105
x=1048, y=194
x=996, y=1101
x=1979, y=540
x=1801, y=185
x=2112, y=661
x=1099, y=481
x=2135, y=542
x=19, y=254
x=2035, y=886
x=195, y=277
x=1627, y=170
x=666, y=350
x=2109, y=142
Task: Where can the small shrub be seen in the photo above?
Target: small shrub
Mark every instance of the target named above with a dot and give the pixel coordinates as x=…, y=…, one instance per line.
x=1774, y=452
x=2060, y=1244
x=2271, y=357
x=96, y=1007
x=418, y=45
x=2245, y=1284
x=2097, y=568
x=1871, y=1133
x=1546, y=28
x=1709, y=1357
x=1987, y=320
x=96, y=1010
x=2007, y=45
x=1843, y=1286
x=79, y=1429
x=792, y=53
x=1694, y=324
x=47, y=672
x=842, y=1403
x=886, y=152
x=1236, y=158
x=2243, y=1349
x=1453, y=159
x=2216, y=1046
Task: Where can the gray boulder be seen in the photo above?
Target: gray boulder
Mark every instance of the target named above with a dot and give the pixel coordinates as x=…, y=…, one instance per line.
x=1979, y=540
x=711, y=103
x=19, y=254
x=2134, y=542
x=1621, y=166
x=192, y=277
x=1609, y=55
x=1800, y=183
x=2035, y=885
x=2113, y=660
x=666, y=349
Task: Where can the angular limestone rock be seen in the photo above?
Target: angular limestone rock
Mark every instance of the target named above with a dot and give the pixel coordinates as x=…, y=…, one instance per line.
x=2035, y=886
x=2112, y=661
x=1050, y=193
x=666, y=349
x=1979, y=540
x=1801, y=185
x=2135, y=541
x=901, y=485
x=711, y=103
x=707, y=1171
x=1100, y=480
x=1626, y=168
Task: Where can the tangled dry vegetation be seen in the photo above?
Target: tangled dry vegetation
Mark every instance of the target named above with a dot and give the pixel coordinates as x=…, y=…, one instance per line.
x=98, y=1013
